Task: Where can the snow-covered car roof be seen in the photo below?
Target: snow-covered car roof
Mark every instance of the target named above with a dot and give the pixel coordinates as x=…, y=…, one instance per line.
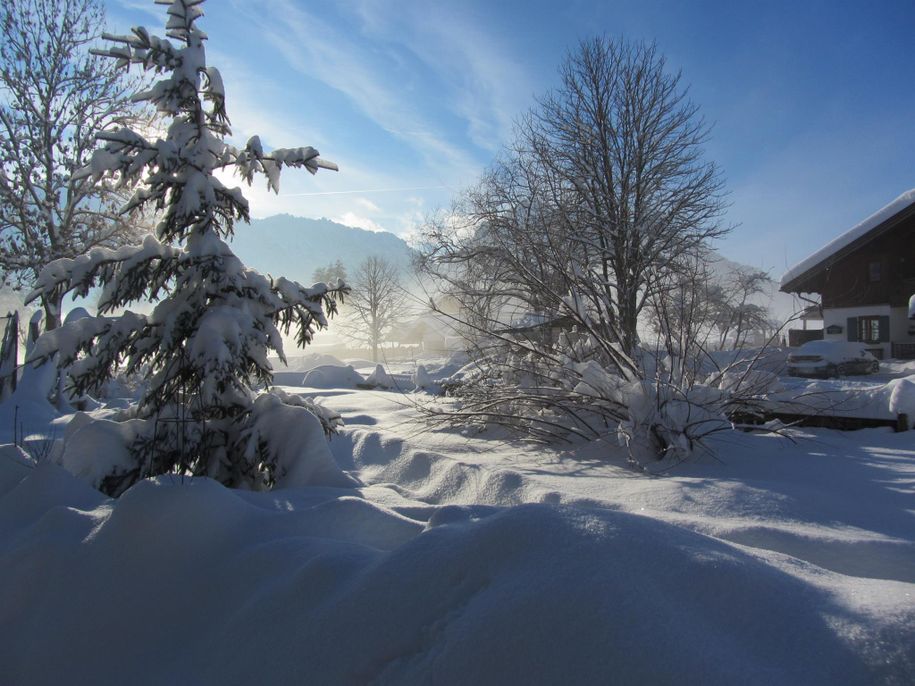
x=832, y=349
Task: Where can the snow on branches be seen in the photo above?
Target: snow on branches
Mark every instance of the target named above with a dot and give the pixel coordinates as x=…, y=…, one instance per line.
x=203, y=349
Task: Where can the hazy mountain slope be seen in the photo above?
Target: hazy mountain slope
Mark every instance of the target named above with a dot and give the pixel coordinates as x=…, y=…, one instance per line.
x=294, y=247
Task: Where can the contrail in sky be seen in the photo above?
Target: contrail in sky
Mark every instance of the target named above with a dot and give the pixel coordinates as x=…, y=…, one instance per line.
x=367, y=190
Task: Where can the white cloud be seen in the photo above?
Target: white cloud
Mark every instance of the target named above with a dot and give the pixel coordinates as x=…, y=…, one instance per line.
x=379, y=76
x=488, y=87
x=146, y=8
x=353, y=219
x=367, y=204
x=245, y=91
x=347, y=64
x=382, y=60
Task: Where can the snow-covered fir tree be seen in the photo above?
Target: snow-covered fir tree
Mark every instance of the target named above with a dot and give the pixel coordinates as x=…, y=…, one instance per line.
x=203, y=349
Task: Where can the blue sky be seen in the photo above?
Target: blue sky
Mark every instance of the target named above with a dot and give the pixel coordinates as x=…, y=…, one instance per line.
x=812, y=103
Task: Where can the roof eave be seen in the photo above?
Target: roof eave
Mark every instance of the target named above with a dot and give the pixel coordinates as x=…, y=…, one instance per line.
x=794, y=286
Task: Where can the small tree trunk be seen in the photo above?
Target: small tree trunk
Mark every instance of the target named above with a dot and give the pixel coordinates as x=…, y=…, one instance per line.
x=9, y=353
x=51, y=308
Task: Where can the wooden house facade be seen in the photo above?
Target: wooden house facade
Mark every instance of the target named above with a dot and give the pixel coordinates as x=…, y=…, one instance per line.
x=865, y=278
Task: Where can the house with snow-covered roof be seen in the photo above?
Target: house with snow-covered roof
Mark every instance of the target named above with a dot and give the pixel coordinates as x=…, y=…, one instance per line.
x=432, y=333
x=865, y=278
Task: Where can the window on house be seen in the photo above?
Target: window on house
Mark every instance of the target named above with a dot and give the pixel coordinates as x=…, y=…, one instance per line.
x=869, y=329
x=873, y=271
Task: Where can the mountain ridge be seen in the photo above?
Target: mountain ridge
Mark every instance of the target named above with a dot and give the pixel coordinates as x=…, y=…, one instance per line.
x=283, y=244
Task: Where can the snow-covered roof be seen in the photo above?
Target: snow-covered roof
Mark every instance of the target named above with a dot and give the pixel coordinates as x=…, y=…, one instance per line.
x=849, y=237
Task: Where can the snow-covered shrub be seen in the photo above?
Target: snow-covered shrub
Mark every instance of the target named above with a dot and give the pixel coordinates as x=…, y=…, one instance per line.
x=664, y=409
x=379, y=378
x=667, y=420
x=664, y=415
x=203, y=349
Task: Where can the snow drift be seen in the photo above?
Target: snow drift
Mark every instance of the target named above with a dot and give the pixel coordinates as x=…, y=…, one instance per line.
x=185, y=581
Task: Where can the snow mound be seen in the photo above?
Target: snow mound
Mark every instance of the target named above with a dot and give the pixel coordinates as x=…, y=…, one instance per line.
x=290, y=374
x=445, y=367
x=305, y=363
x=228, y=587
x=295, y=438
x=95, y=448
x=332, y=376
x=380, y=378
x=845, y=397
x=754, y=382
x=902, y=396
x=421, y=377
x=15, y=465
x=358, y=363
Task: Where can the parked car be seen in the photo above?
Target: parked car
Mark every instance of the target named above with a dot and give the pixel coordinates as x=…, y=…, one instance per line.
x=831, y=358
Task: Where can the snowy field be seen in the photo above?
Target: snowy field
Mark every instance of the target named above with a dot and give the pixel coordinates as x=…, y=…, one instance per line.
x=467, y=557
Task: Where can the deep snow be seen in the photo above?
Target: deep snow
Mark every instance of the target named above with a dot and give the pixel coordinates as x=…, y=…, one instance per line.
x=472, y=558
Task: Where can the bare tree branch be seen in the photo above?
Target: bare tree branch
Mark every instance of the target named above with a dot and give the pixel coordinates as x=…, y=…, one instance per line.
x=55, y=98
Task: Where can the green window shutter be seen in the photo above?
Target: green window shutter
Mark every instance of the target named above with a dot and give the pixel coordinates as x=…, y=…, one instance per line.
x=884, y=329
x=851, y=327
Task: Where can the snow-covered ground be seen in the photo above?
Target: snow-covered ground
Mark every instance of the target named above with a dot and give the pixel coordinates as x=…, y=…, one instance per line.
x=473, y=558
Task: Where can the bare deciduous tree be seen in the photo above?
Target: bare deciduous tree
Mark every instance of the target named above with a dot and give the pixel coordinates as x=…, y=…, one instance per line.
x=736, y=316
x=468, y=273
x=55, y=98
x=681, y=312
x=603, y=191
x=585, y=219
x=622, y=146
x=701, y=309
x=377, y=302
